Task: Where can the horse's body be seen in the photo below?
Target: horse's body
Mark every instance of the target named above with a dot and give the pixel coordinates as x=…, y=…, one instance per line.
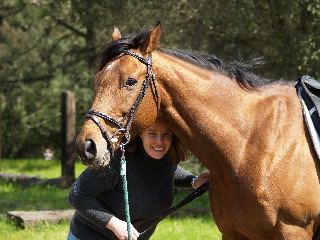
x=264, y=171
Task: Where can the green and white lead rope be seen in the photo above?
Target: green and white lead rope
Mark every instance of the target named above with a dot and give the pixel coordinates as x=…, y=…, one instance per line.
x=123, y=174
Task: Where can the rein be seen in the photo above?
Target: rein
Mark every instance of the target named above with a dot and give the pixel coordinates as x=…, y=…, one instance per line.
x=192, y=196
x=124, y=128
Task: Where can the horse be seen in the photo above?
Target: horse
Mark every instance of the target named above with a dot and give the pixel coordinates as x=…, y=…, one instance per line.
x=248, y=131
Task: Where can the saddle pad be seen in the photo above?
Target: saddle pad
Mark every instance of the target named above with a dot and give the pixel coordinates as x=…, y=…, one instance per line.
x=310, y=125
x=310, y=93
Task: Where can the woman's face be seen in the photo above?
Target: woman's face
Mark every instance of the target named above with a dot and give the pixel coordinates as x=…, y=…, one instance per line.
x=156, y=139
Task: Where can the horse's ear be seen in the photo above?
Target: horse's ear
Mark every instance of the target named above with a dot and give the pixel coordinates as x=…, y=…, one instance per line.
x=116, y=35
x=153, y=40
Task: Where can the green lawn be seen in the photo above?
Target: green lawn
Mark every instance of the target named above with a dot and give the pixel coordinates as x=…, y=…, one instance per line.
x=14, y=197
x=187, y=228
x=37, y=167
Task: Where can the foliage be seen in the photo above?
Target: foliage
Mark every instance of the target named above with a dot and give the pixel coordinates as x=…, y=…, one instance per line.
x=47, y=46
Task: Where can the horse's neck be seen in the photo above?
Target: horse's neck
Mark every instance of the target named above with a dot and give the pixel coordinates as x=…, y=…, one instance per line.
x=202, y=108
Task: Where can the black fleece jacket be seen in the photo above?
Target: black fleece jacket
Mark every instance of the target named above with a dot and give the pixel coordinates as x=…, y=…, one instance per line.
x=97, y=195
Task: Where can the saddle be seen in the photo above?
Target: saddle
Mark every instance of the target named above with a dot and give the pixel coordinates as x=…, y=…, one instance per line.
x=309, y=90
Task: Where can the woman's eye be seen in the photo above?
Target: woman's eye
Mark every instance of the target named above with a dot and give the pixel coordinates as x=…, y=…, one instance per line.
x=130, y=82
x=167, y=135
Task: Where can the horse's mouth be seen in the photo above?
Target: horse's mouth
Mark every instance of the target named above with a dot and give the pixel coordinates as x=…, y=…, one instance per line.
x=97, y=163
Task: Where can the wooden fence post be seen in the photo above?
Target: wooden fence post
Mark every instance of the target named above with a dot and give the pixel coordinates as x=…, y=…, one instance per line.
x=68, y=134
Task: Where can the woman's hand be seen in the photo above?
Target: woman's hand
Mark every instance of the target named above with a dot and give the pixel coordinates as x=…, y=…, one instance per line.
x=119, y=228
x=202, y=178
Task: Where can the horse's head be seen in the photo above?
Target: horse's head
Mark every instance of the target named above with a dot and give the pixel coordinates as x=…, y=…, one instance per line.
x=124, y=103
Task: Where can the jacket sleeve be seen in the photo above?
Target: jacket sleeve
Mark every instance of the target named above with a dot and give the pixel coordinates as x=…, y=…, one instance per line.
x=85, y=192
x=183, y=178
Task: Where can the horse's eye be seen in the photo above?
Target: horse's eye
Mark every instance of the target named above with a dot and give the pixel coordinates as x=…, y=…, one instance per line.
x=130, y=82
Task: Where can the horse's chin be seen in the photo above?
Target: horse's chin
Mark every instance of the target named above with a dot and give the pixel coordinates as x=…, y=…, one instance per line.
x=98, y=162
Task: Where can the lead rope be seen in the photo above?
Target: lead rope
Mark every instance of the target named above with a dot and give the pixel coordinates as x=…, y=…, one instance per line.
x=125, y=190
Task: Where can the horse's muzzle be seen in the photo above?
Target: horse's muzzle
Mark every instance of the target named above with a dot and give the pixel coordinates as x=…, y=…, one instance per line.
x=91, y=155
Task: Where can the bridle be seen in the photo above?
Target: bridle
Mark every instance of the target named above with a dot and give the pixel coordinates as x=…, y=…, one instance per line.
x=122, y=127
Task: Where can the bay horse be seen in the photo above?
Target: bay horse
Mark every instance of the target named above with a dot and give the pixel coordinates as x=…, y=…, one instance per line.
x=249, y=132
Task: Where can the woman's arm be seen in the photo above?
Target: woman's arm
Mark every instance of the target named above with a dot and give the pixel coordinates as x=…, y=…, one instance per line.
x=201, y=179
x=85, y=191
x=184, y=179
x=84, y=198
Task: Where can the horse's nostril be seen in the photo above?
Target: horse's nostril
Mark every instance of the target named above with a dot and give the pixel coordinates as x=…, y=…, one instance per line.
x=90, y=149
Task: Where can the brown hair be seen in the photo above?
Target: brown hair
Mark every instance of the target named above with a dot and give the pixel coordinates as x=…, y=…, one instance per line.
x=178, y=151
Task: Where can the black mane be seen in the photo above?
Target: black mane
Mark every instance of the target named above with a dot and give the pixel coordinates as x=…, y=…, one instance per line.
x=237, y=70
x=116, y=47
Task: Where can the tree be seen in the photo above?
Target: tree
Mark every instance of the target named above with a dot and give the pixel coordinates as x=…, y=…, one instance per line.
x=47, y=46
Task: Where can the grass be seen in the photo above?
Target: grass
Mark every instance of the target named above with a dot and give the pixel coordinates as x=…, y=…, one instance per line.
x=40, y=232
x=187, y=228
x=37, y=167
x=33, y=198
x=14, y=197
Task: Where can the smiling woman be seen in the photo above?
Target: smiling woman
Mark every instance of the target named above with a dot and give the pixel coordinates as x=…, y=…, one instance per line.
x=156, y=139
x=152, y=173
